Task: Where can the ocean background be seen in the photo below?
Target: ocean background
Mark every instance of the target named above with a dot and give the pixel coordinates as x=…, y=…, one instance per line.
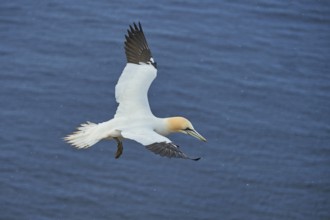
x=252, y=76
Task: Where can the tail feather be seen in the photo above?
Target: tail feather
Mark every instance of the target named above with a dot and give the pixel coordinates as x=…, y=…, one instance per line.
x=86, y=136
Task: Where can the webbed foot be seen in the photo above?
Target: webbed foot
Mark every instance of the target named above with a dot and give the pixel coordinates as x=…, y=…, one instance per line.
x=119, y=148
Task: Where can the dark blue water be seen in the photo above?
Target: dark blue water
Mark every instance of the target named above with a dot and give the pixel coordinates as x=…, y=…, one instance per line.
x=252, y=76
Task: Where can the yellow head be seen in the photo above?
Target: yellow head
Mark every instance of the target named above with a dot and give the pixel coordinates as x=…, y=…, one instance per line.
x=183, y=125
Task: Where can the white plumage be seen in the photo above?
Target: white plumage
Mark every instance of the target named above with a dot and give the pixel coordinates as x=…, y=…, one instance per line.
x=134, y=119
x=132, y=90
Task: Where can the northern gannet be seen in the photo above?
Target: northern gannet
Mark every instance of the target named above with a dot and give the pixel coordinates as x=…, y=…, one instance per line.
x=134, y=119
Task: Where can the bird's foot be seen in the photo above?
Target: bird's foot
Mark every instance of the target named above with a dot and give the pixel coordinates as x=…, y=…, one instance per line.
x=119, y=149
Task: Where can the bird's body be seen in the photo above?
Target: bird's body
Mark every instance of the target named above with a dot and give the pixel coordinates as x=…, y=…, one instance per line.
x=134, y=119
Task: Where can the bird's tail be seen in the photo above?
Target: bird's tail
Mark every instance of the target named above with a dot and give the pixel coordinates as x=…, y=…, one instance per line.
x=86, y=135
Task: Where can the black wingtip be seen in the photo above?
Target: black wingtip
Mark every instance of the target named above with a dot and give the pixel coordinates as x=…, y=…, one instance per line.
x=170, y=150
x=196, y=159
x=135, y=26
x=136, y=46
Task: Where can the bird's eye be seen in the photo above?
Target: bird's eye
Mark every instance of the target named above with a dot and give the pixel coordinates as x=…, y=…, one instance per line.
x=188, y=129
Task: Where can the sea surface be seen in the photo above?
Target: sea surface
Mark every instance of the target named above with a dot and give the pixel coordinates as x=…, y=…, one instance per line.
x=252, y=76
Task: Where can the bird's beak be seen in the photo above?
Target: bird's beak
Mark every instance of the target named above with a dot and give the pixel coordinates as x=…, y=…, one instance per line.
x=196, y=135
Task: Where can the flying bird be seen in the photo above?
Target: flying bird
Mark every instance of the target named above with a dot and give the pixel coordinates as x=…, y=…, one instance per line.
x=134, y=119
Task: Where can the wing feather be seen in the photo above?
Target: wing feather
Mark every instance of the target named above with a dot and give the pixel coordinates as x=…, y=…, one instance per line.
x=137, y=76
x=132, y=90
x=136, y=46
x=155, y=142
x=168, y=150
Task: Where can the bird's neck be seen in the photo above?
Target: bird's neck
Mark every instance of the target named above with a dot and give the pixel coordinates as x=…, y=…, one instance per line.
x=164, y=126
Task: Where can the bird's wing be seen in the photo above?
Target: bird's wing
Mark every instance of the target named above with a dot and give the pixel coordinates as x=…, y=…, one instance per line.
x=136, y=46
x=155, y=142
x=132, y=90
x=137, y=76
